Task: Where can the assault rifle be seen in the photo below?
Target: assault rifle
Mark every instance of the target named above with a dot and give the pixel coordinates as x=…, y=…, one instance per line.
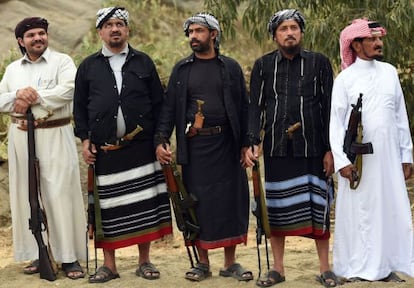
x=260, y=211
x=91, y=229
x=353, y=146
x=183, y=205
x=38, y=220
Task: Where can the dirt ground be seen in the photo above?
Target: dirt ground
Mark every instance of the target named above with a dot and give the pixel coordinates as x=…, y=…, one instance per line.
x=170, y=257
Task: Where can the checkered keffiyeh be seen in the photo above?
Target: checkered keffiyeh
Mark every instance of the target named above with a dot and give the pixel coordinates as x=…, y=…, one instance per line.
x=105, y=14
x=359, y=28
x=206, y=20
x=283, y=15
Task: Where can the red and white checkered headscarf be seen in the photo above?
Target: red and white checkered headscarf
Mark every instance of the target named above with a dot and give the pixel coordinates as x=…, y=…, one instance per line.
x=359, y=28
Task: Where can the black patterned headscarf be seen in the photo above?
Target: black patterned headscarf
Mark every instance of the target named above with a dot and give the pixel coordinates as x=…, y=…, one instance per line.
x=283, y=15
x=207, y=20
x=105, y=14
x=29, y=23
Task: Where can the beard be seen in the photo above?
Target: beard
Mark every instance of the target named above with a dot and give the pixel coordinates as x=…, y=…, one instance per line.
x=116, y=44
x=35, y=52
x=290, y=49
x=202, y=46
x=378, y=57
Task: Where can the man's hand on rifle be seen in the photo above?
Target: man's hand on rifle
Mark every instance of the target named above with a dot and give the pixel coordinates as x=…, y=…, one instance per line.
x=163, y=153
x=349, y=172
x=250, y=156
x=88, y=152
x=25, y=97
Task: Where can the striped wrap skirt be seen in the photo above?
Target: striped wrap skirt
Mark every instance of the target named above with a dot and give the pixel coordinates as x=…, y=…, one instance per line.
x=298, y=197
x=133, y=199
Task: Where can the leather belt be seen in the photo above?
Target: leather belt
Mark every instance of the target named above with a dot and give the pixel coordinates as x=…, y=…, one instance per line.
x=205, y=131
x=40, y=123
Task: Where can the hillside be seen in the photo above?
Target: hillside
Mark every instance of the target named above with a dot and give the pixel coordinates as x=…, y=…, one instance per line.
x=69, y=21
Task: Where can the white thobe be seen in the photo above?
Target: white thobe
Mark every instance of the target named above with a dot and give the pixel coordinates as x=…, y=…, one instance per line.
x=373, y=227
x=52, y=75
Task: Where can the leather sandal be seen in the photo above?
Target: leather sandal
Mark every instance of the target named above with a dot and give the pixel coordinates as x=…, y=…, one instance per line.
x=237, y=271
x=102, y=275
x=199, y=272
x=32, y=268
x=147, y=271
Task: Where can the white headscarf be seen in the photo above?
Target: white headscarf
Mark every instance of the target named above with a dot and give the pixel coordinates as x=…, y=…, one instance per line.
x=206, y=20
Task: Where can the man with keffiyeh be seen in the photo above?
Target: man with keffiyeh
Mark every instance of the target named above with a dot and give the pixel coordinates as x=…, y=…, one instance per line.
x=290, y=94
x=209, y=152
x=118, y=97
x=373, y=227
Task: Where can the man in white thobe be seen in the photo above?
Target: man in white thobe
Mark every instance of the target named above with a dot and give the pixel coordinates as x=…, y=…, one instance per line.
x=373, y=236
x=44, y=80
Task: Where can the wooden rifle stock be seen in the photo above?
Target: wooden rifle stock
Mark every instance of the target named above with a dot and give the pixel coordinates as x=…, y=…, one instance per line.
x=92, y=198
x=183, y=206
x=182, y=202
x=91, y=202
x=260, y=211
x=38, y=220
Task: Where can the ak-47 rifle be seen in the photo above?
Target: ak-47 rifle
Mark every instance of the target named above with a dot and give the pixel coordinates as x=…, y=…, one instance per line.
x=353, y=146
x=91, y=229
x=183, y=205
x=38, y=220
x=260, y=211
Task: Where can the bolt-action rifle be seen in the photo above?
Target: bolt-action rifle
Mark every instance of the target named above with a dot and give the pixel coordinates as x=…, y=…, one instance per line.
x=38, y=220
x=260, y=211
x=353, y=146
x=183, y=205
x=93, y=209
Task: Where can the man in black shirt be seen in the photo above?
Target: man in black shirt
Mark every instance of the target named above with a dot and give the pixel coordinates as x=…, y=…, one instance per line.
x=211, y=86
x=291, y=94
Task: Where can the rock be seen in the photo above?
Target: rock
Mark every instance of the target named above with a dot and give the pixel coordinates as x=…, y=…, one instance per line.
x=68, y=21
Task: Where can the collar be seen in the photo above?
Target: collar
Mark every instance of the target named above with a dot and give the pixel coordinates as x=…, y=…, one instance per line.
x=44, y=57
x=302, y=53
x=366, y=64
x=108, y=53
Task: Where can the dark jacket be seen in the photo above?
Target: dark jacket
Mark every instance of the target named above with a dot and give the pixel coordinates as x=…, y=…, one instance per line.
x=175, y=105
x=284, y=92
x=96, y=97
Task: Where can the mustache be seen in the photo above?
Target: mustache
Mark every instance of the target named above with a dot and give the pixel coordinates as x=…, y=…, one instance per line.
x=194, y=41
x=290, y=38
x=115, y=34
x=37, y=42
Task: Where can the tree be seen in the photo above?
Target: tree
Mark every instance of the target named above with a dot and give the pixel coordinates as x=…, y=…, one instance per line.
x=324, y=21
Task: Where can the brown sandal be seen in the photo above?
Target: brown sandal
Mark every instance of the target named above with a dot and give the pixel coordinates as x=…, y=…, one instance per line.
x=147, y=271
x=200, y=272
x=73, y=270
x=102, y=275
x=32, y=268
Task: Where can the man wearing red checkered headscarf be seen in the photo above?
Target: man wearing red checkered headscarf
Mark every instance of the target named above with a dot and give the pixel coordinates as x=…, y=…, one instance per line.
x=373, y=227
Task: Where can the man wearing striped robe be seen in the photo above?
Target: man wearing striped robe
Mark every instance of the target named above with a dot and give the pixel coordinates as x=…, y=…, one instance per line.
x=290, y=94
x=118, y=93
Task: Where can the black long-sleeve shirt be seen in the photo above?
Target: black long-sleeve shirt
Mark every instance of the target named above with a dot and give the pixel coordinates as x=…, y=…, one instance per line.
x=284, y=92
x=96, y=97
x=174, y=109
